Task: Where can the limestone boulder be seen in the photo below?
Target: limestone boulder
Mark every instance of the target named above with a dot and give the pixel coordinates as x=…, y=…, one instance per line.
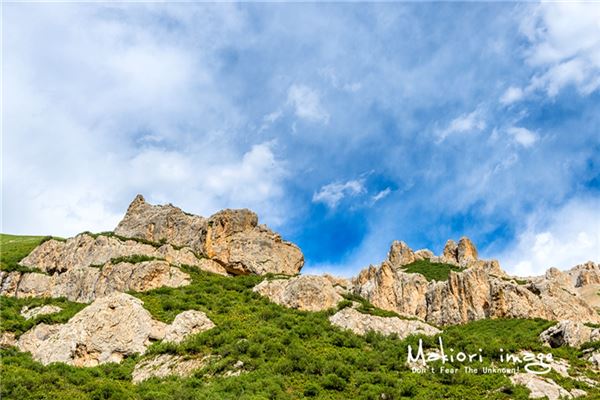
x=466, y=251
x=541, y=387
x=165, y=365
x=361, y=324
x=569, y=333
x=108, y=330
x=304, y=292
x=187, y=323
x=29, y=313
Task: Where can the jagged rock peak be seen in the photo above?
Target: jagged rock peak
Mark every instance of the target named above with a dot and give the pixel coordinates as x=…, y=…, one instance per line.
x=232, y=238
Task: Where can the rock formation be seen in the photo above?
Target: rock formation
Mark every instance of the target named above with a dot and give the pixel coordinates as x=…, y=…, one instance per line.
x=84, y=284
x=167, y=364
x=304, y=292
x=569, y=333
x=541, y=387
x=232, y=238
x=29, y=313
x=359, y=323
x=187, y=323
x=481, y=290
x=107, y=330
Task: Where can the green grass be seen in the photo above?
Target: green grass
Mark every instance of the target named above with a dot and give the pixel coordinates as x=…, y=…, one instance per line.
x=12, y=321
x=14, y=248
x=288, y=354
x=431, y=271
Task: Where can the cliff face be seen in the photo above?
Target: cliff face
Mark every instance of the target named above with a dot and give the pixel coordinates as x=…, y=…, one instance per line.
x=480, y=290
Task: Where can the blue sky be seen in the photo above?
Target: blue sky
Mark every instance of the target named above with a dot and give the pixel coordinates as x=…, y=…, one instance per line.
x=345, y=126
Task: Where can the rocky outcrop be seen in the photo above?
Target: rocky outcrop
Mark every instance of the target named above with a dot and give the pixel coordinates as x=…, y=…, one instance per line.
x=235, y=240
x=361, y=324
x=304, y=292
x=85, y=250
x=232, y=238
x=7, y=339
x=541, y=387
x=400, y=254
x=84, y=284
x=162, y=224
x=569, y=333
x=108, y=330
x=111, y=328
x=165, y=365
x=187, y=323
x=29, y=313
x=481, y=290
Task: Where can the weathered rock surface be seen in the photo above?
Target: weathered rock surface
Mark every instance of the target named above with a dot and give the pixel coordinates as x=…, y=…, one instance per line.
x=29, y=313
x=187, y=323
x=304, y=292
x=7, y=339
x=235, y=240
x=232, y=238
x=167, y=364
x=543, y=387
x=84, y=284
x=482, y=290
x=361, y=324
x=107, y=330
x=400, y=254
x=162, y=224
x=84, y=250
x=569, y=333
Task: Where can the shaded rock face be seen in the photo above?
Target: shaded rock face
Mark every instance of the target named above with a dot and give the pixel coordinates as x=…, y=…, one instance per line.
x=304, y=292
x=232, y=238
x=569, y=333
x=482, y=290
x=361, y=324
x=167, y=364
x=29, y=313
x=84, y=284
x=107, y=330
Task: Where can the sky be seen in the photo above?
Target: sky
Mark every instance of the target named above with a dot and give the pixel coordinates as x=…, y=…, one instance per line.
x=344, y=126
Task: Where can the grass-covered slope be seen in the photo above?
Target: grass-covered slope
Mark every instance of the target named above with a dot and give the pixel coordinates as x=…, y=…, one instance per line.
x=14, y=248
x=288, y=354
x=431, y=271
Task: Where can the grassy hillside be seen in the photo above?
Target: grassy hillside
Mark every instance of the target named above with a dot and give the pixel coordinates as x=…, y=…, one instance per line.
x=288, y=354
x=431, y=271
x=14, y=248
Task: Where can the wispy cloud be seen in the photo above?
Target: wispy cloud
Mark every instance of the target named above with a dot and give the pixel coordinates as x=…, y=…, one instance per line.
x=307, y=103
x=471, y=122
x=523, y=136
x=333, y=193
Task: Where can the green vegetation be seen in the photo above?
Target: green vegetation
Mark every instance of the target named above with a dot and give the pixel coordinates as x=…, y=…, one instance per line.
x=12, y=321
x=288, y=354
x=14, y=248
x=133, y=259
x=365, y=306
x=431, y=271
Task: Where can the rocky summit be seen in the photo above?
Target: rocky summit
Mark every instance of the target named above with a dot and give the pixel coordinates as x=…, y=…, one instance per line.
x=189, y=304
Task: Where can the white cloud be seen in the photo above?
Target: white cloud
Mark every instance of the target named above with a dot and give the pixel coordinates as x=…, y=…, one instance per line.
x=465, y=123
x=569, y=237
x=523, y=136
x=511, y=95
x=382, y=194
x=565, y=46
x=333, y=193
x=307, y=103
